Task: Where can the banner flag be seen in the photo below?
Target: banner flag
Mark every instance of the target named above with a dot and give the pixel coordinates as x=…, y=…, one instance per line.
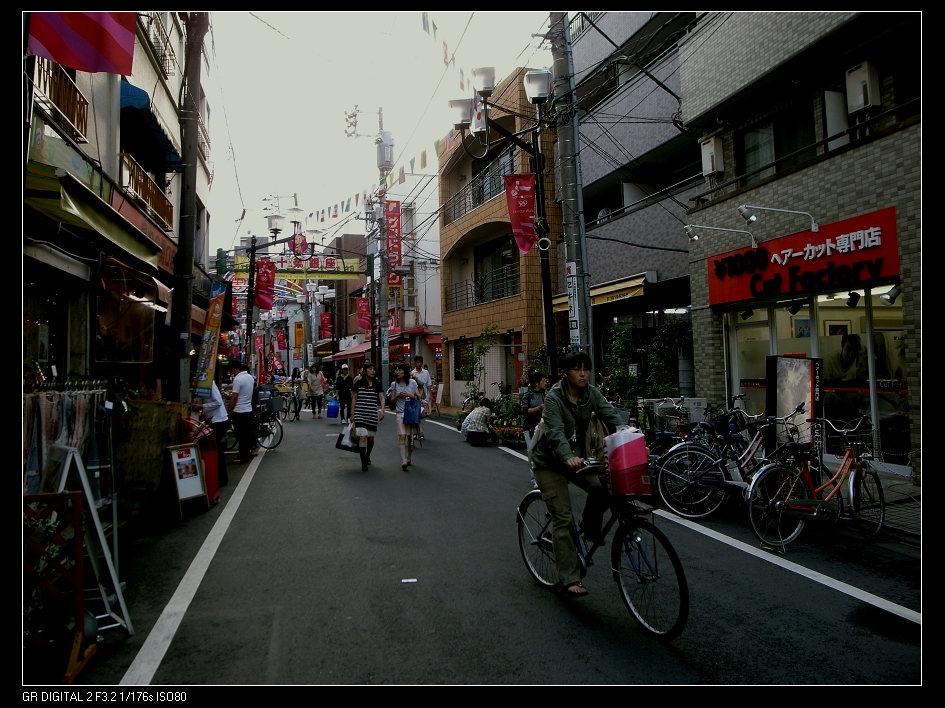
x=520, y=198
x=426, y=22
x=265, y=284
x=423, y=159
x=325, y=328
x=364, y=313
x=86, y=41
x=207, y=361
x=280, y=339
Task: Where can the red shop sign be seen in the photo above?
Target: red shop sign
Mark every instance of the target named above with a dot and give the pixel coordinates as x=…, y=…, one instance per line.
x=849, y=254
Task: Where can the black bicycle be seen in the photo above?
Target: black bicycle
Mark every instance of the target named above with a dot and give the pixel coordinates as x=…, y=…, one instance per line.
x=645, y=565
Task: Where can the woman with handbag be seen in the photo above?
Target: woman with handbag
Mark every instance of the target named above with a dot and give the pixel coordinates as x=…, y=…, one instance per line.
x=367, y=402
x=316, y=389
x=572, y=407
x=402, y=389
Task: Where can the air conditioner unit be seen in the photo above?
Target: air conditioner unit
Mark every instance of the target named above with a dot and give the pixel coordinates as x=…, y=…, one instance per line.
x=862, y=88
x=712, y=156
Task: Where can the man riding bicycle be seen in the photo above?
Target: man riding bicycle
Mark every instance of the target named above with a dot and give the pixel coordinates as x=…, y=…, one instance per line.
x=557, y=459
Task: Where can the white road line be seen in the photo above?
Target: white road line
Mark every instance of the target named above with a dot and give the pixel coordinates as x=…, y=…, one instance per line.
x=826, y=580
x=150, y=655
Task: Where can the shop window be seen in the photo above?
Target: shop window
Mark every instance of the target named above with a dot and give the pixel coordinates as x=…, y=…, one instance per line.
x=462, y=358
x=765, y=144
x=127, y=302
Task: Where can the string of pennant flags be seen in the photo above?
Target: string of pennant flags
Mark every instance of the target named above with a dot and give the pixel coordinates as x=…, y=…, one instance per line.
x=356, y=201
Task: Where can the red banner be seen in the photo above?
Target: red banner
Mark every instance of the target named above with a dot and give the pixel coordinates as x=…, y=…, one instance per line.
x=265, y=284
x=848, y=254
x=520, y=197
x=325, y=329
x=364, y=313
x=394, y=243
x=87, y=41
x=280, y=339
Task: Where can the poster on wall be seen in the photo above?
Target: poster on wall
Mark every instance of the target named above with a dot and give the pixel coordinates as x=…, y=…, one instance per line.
x=790, y=382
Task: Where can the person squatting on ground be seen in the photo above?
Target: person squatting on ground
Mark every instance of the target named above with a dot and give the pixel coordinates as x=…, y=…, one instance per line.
x=425, y=384
x=557, y=458
x=316, y=389
x=367, y=403
x=343, y=384
x=241, y=410
x=402, y=389
x=477, y=426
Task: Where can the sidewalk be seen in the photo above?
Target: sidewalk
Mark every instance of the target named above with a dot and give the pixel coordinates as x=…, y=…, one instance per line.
x=903, y=505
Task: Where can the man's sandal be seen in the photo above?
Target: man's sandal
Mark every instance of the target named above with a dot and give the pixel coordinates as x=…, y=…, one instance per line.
x=575, y=589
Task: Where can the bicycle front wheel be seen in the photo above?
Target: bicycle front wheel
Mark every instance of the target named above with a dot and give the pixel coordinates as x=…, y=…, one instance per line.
x=689, y=482
x=230, y=442
x=771, y=489
x=651, y=579
x=868, y=503
x=270, y=432
x=534, y=539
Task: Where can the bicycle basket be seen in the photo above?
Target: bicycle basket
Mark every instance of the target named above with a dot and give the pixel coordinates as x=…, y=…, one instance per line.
x=273, y=404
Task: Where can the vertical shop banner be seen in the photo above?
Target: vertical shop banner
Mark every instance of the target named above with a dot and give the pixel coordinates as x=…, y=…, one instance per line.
x=265, y=284
x=394, y=243
x=275, y=366
x=324, y=331
x=520, y=197
x=364, y=313
x=280, y=339
x=87, y=41
x=260, y=361
x=207, y=361
x=299, y=335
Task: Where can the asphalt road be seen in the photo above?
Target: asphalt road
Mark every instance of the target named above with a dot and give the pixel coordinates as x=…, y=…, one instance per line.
x=307, y=586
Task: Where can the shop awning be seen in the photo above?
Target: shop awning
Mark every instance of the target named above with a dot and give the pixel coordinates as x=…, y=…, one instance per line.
x=434, y=340
x=136, y=103
x=352, y=352
x=607, y=292
x=56, y=194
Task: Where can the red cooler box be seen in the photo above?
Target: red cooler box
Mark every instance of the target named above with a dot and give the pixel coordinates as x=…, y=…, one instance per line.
x=628, y=464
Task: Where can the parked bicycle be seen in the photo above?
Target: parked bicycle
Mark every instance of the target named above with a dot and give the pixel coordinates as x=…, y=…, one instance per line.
x=267, y=426
x=694, y=478
x=471, y=402
x=786, y=494
x=645, y=566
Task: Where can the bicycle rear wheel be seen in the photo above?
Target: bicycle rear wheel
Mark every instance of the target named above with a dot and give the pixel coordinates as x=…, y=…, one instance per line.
x=286, y=404
x=269, y=432
x=230, y=442
x=534, y=539
x=651, y=579
x=689, y=482
x=868, y=503
x=773, y=486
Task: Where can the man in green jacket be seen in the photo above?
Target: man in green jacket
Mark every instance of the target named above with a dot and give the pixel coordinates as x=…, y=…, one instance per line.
x=557, y=459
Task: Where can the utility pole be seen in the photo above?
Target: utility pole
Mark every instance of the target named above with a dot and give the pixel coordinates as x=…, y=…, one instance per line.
x=178, y=370
x=572, y=202
x=385, y=163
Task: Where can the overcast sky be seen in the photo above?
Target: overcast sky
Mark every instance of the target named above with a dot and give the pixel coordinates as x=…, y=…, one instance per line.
x=281, y=84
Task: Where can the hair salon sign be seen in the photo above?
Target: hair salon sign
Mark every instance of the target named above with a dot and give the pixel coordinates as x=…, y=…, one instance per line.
x=849, y=254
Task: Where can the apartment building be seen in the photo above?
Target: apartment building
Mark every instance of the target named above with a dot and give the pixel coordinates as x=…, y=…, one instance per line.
x=485, y=280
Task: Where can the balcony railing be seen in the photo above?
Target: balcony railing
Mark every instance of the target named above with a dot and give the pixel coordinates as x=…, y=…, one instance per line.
x=579, y=24
x=140, y=187
x=58, y=94
x=494, y=285
x=486, y=185
x=203, y=139
x=161, y=44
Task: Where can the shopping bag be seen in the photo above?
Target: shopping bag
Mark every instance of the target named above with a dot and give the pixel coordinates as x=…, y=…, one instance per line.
x=412, y=409
x=424, y=409
x=345, y=442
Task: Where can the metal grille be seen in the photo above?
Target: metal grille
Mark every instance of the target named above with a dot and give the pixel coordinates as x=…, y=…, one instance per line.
x=486, y=185
x=496, y=284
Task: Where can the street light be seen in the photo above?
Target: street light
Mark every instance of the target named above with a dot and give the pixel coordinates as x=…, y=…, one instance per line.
x=470, y=114
x=693, y=235
x=746, y=211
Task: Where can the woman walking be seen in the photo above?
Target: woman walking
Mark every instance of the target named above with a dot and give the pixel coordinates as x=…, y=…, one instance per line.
x=402, y=389
x=367, y=404
x=533, y=401
x=316, y=389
